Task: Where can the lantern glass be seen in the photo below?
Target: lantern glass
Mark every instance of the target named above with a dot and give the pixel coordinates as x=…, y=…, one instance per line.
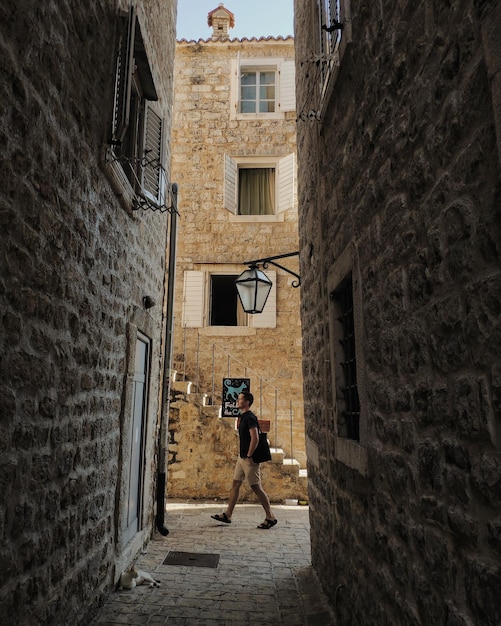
x=253, y=288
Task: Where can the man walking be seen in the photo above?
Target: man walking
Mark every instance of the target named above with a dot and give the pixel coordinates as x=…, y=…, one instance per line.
x=248, y=432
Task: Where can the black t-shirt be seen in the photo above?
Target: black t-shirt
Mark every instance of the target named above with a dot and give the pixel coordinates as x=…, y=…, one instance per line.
x=247, y=421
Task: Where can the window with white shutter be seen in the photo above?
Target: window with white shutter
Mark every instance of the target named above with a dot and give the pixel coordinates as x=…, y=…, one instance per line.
x=210, y=299
x=135, y=156
x=193, y=299
x=153, y=182
x=287, y=73
x=286, y=183
x=262, y=88
x=259, y=187
x=230, y=184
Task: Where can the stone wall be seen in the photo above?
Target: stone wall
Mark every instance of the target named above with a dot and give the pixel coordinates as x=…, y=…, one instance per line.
x=75, y=266
x=203, y=450
x=399, y=183
x=204, y=131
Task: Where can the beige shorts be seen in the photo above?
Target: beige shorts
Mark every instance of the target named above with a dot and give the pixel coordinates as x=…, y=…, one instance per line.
x=246, y=469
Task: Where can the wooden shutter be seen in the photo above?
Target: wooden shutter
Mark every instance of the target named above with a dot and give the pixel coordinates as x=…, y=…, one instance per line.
x=230, y=184
x=286, y=170
x=193, y=299
x=268, y=318
x=236, y=73
x=287, y=86
x=153, y=179
x=123, y=79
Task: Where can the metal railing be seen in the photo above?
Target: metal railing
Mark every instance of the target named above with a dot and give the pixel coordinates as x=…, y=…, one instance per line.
x=206, y=364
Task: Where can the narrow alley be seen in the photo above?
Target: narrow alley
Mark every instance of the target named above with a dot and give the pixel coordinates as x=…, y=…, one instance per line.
x=237, y=575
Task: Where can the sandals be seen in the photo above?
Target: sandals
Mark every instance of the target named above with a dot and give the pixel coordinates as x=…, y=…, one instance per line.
x=268, y=523
x=221, y=518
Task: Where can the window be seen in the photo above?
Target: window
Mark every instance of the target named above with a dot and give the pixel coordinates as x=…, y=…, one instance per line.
x=261, y=187
x=257, y=92
x=256, y=191
x=349, y=390
x=347, y=400
x=210, y=299
x=330, y=35
x=135, y=157
x=225, y=306
x=333, y=27
x=262, y=88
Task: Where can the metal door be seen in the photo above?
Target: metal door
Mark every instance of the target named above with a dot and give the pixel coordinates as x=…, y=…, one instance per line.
x=136, y=438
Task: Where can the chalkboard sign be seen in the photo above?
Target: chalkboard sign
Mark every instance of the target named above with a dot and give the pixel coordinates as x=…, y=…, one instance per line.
x=232, y=387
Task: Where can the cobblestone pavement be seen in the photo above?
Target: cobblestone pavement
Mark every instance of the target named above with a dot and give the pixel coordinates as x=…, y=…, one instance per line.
x=262, y=578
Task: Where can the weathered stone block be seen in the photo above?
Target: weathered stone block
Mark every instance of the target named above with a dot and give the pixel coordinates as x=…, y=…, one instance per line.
x=481, y=582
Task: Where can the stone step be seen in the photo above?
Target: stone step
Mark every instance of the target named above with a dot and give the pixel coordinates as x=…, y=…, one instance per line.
x=277, y=455
x=183, y=386
x=291, y=466
x=175, y=376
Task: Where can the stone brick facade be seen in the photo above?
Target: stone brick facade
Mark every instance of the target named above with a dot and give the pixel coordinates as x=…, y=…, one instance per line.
x=399, y=180
x=209, y=130
x=76, y=262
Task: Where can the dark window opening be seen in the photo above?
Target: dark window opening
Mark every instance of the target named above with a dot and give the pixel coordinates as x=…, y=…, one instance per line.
x=128, y=151
x=224, y=310
x=347, y=398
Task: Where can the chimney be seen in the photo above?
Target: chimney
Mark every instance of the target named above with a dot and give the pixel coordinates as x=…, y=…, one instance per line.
x=221, y=21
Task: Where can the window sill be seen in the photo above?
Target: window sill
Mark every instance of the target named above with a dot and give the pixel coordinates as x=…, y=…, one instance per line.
x=352, y=454
x=227, y=331
x=256, y=218
x=259, y=116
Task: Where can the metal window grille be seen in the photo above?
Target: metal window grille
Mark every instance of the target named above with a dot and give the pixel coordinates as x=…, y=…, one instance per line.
x=349, y=413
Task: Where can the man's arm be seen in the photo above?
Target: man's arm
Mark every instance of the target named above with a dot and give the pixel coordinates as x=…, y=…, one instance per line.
x=253, y=442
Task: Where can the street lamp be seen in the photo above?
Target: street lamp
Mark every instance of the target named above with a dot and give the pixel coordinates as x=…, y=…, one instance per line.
x=254, y=286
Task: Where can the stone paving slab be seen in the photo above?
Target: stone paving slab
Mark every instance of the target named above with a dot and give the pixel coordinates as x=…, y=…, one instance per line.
x=263, y=578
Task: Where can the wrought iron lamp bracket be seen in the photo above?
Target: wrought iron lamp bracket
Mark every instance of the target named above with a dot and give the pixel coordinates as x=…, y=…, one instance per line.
x=272, y=260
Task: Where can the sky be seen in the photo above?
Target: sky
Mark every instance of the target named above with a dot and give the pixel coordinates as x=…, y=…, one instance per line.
x=253, y=18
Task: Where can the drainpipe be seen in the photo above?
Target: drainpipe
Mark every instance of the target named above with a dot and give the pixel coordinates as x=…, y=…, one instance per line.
x=169, y=329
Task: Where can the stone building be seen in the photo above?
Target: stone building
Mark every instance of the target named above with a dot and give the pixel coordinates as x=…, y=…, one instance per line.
x=234, y=157
x=86, y=92
x=399, y=146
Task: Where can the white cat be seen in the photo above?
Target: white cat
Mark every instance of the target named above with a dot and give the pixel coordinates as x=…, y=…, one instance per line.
x=133, y=577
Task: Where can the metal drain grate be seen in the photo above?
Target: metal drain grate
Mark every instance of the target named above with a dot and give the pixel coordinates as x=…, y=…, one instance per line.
x=191, y=559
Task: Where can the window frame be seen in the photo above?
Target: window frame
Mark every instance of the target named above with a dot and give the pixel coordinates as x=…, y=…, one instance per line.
x=345, y=363
x=210, y=311
x=272, y=171
x=350, y=452
x=285, y=185
x=136, y=170
x=285, y=93
x=257, y=72
x=330, y=53
x=197, y=306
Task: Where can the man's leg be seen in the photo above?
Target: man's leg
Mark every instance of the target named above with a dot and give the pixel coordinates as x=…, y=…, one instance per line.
x=233, y=498
x=263, y=499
